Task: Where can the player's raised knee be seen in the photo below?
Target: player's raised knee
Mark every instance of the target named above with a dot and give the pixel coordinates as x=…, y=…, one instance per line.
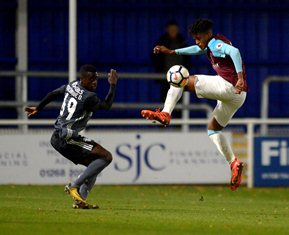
x=191, y=84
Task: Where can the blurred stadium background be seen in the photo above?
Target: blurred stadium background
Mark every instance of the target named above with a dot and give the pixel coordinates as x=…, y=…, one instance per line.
x=35, y=58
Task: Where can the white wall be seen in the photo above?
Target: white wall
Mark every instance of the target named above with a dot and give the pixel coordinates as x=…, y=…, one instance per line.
x=139, y=158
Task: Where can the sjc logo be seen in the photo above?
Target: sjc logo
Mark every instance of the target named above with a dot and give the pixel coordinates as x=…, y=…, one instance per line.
x=275, y=149
x=138, y=156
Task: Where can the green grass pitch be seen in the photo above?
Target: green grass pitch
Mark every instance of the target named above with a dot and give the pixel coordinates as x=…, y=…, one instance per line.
x=145, y=210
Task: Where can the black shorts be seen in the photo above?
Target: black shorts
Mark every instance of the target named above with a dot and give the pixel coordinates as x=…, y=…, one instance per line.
x=76, y=150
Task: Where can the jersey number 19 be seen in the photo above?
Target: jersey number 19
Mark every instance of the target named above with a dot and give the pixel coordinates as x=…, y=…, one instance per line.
x=70, y=105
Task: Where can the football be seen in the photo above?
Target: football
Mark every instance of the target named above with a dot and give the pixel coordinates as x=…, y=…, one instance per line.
x=178, y=76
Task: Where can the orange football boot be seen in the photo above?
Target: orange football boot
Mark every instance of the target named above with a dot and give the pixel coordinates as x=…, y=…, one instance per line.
x=236, y=168
x=162, y=117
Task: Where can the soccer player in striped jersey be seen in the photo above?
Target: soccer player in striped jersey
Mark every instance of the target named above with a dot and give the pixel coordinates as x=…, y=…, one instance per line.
x=80, y=101
x=228, y=87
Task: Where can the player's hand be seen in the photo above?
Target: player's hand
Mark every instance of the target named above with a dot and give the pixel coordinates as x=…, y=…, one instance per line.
x=163, y=49
x=239, y=87
x=31, y=111
x=112, y=77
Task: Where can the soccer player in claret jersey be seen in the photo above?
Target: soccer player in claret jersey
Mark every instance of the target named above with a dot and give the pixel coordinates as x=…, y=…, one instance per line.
x=228, y=87
x=80, y=101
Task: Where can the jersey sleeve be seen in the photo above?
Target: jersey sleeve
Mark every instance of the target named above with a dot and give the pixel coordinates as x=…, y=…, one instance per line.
x=94, y=103
x=192, y=50
x=51, y=96
x=221, y=49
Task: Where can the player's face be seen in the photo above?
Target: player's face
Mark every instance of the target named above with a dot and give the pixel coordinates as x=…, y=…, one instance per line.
x=90, y=82
x=202, y=39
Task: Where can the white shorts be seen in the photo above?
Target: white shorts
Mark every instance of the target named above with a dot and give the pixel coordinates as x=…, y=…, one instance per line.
x=217, y=88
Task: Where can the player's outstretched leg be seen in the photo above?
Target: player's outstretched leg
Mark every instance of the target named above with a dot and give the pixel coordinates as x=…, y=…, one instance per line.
x=95, y=162
x=222, y=144
x=173, y=96
x=164, y=116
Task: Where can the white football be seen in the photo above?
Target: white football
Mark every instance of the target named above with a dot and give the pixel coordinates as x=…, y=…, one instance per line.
x=178, y=76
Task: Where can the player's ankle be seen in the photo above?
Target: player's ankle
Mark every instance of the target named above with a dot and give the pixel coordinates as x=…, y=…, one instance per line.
x=232, y=160
x=74, y=186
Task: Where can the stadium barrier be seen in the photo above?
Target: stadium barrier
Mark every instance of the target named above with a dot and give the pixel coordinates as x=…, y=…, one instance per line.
x=21, y=94
x=22, y=101
x=265, y=97
x=267, y=157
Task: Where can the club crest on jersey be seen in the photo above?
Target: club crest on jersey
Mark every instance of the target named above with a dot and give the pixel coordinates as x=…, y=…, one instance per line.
x=219, y=45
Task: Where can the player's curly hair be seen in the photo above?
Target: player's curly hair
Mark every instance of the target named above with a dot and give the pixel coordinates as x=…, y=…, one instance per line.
x=201, y=26
x=87, y=70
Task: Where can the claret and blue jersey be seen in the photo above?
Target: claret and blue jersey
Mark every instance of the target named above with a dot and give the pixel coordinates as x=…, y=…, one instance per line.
x=225, y=58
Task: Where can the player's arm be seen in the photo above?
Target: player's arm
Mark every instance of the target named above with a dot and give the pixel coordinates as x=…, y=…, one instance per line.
x=46, y=100
x=222, y=49
x=235, y=55
x=94, y=103
x=192, y=50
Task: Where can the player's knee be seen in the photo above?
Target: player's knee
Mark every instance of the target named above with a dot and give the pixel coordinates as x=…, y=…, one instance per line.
x=191, y=84
x=108, y=157
x=214, y=125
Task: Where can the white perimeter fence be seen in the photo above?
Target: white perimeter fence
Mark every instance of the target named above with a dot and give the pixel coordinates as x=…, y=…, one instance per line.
x=249, y=123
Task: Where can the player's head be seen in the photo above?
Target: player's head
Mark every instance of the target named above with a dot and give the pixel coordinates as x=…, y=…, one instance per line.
x=202, y=31
x=88, y=77
x=172, y=29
